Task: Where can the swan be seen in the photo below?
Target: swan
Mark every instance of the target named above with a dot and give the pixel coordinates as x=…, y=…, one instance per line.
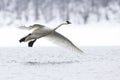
x=40, y=31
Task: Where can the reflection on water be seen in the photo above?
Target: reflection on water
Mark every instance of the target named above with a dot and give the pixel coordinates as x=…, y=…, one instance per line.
x=50, y=63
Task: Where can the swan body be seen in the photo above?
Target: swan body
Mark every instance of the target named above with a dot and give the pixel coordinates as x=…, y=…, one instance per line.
x=40, y=31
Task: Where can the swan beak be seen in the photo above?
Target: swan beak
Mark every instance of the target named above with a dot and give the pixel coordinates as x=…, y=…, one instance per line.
x=68, y=22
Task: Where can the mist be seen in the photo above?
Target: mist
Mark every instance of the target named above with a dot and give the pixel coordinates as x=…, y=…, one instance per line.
x=77, y=11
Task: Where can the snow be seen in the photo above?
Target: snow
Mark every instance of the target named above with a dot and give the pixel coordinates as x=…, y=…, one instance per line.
x=53, y=63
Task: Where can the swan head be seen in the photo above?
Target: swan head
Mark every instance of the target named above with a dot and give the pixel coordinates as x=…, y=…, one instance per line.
x=68, y=22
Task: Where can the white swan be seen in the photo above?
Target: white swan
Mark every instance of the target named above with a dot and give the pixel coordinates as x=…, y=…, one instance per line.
x=42, y=31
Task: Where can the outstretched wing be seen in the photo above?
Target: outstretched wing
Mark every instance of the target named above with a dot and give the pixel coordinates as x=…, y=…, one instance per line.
x=23, y=27
x=63, y=41
x=35, y=26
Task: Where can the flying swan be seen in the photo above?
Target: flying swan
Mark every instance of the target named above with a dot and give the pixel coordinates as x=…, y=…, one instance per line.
x=40, y=31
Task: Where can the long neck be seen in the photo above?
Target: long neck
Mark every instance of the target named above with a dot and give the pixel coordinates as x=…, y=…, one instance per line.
x=59, y=26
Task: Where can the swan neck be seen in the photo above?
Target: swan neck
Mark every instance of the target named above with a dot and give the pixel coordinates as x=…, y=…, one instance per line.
x=59, y=26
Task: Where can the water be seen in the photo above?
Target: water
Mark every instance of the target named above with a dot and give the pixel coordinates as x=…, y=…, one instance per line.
x=52, y=63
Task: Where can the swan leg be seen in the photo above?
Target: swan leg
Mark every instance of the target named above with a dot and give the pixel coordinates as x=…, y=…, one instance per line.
x=30, y=44
x=24, y=38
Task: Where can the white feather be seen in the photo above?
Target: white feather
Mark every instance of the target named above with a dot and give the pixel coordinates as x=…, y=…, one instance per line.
x=62, y=41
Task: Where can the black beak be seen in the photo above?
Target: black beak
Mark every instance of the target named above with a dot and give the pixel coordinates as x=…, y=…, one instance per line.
x=68, y=22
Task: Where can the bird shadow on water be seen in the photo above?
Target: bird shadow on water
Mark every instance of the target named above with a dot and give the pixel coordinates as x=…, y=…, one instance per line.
x=50, y=63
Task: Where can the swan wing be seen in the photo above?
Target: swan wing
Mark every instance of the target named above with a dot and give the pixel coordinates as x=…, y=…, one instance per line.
x=24, y=27
x=59, y=39
x=34, y=27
